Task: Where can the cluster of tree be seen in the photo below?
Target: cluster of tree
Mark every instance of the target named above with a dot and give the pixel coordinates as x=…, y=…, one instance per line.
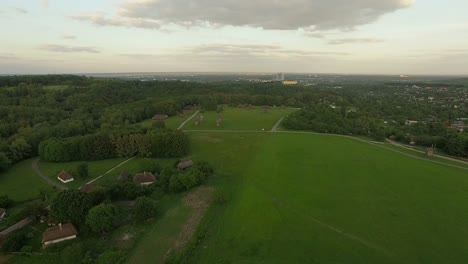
x=160, y=144
x=172, y=180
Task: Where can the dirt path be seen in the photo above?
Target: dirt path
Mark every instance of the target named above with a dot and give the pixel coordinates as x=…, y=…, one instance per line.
x=35, y=168
x=199, y=200
x=109, y=171
x=186, y=121
x=275, y=127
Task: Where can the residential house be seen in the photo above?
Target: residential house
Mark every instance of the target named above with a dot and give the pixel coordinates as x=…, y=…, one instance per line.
x=65, y=177
x=145, y=178
x=183, y=165
x=58, y=234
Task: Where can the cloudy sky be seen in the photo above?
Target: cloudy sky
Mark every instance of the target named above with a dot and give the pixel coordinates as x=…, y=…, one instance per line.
x=316, y=36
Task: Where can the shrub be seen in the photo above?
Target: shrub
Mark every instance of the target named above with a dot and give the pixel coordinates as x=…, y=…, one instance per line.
x=145, y=208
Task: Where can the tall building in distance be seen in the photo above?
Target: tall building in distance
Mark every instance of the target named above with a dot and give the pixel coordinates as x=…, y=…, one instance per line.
x=280, y=76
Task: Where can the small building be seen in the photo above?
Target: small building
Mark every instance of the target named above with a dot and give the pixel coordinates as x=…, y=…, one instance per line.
x=2, y=213
x=160, y=117
x=430, y=151
x=58, y=234
x=458, y=126
x=411, y=122
x=219, y=122
x=65, y=177
x=124, y=176
x=145, y=178
x=290, y=82
x=183, y=165
x=88, y=188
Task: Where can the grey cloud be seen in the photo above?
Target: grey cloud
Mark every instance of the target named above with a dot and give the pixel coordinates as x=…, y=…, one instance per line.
x=45, y=3
x=267, y=14
x=226, y=51
x=69, y=37
x=67, y=49
x=8, y=56
x=102, y=20
x=354, y=40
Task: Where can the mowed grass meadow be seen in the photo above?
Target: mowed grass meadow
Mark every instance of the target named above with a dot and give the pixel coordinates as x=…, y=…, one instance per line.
x=300, y=198
x=240, y=119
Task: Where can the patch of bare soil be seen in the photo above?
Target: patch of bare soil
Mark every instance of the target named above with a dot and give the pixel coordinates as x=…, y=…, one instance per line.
x=199, y=200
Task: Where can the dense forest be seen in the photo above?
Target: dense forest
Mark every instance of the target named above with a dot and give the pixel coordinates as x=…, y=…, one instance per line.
x=54, y=116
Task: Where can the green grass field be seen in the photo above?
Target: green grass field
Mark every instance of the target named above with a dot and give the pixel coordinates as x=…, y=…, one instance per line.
x=20, y=183
x=240, y=119
x=296, y=198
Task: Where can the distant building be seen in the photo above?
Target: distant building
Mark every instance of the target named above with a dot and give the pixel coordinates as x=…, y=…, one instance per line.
x=65, y=177
x=430, y=151
x=458, y=126
x=88, y=188
x=58, y=234
x=280, y=77
x=290, y=82
x=145, y=178
x=411, y=122
x=183, y=165
x=160, y=117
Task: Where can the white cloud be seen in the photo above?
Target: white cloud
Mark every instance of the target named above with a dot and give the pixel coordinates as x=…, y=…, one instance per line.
x=69, y=37
x=267, y=14
x=45, y=3
x=354, y=40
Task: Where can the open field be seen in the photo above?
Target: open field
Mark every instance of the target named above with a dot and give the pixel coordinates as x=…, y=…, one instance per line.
x=240, y=119
x=20, y=183
x=297, y=198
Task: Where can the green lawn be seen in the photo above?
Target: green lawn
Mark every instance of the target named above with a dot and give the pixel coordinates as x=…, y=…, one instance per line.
x=96, y=168
x=20, y=183
x=296, y=198
x=240, y=119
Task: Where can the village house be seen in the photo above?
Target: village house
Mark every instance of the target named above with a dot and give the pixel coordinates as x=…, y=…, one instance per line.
x=88, y=188
x=458, y=126
x=160, y=117
x=183, y=165
x=145, y=178
x=430, y=151
x=58, y=234
x=65, y=177
x=2, y=213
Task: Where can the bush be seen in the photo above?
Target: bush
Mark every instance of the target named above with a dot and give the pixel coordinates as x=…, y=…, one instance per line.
x=14, y=242
x=82, y=170
x=145, y=208
x=5, y=202
x=72, y=254
x=101, y=218
x=114, y=257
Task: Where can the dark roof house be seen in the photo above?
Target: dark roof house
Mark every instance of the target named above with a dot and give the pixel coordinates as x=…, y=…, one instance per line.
x=65, y=177
x=58, y=234
x=185, y=164
x=145, y=178
x=160, y=117
x=88, y=188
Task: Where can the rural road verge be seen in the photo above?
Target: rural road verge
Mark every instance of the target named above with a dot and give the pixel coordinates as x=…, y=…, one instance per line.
x=186, y=121
x=36, y=169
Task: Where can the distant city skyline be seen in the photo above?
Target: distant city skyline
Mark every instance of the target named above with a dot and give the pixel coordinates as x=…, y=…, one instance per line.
x=388, y=37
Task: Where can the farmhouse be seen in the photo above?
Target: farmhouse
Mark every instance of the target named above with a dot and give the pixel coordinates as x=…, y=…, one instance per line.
x=58, y=234
x=160, y=117
x=88, y=188
x=145, y=178
x=183, y=165
x=430, y=152
x=65, y=177
x=2, y=213
x=458, y=126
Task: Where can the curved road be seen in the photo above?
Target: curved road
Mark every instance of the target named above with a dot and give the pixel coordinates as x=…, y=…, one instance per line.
x=35, y=168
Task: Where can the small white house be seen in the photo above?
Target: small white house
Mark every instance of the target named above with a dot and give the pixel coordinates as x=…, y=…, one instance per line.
x=65, y=177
